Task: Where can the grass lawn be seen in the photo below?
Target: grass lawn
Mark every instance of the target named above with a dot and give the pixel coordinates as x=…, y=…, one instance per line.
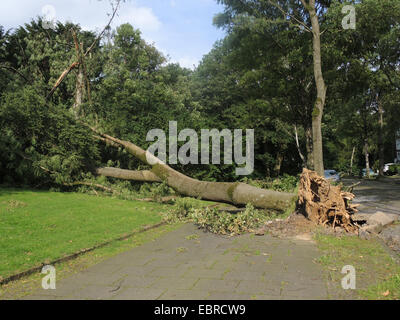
x=41, y=226
x=377, y=271
x=28, y=285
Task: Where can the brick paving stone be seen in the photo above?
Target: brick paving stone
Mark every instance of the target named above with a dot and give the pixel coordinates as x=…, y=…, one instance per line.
x=188, y=263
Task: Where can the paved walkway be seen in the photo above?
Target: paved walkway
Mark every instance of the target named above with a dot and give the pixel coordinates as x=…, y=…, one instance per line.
x=376, y=196
x=382, y=196
x=190, y=264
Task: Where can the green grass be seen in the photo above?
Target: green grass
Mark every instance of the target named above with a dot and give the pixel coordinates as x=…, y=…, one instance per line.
x=27, y=285
x=385, y=290
x=377, y=272
x=39, y=226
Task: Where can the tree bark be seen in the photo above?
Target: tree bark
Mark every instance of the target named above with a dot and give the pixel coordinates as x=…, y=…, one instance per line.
x=77, y=107
x=61, y=78
x=380, y=139
x=321, y=89
x=278, y=164
x=296, y=135
x=366, y=153
x=352, y=160
x=309, y=147
x=235, y=193
x=144, y=176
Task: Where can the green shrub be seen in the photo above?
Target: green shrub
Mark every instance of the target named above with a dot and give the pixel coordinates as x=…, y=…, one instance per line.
x=394, y=169
x=286, y=183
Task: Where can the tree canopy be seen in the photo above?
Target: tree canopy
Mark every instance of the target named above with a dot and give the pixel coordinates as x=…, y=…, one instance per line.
x=260, y=76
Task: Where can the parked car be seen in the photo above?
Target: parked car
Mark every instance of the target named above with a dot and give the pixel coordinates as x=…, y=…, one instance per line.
x=332, y=175
x=386, y=168
x=372, y=173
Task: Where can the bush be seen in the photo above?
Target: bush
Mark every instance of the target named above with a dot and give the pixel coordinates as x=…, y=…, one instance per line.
x=394, y=169
x=286, y=183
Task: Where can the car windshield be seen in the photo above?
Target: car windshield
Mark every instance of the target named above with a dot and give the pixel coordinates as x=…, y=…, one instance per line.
x=331, y=172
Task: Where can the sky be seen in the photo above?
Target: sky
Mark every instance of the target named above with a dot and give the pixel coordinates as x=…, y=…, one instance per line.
x=181, y=29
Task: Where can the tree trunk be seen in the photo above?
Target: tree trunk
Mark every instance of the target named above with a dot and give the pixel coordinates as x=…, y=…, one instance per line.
x=352, y=160
x=79, y=86
x=77, y=107
x=278, y=164
x=234, y=193
x=366, y=153
x=309, y=147
x=380, y=140
x=298, y=147
x=144, y=176
x=321, y=89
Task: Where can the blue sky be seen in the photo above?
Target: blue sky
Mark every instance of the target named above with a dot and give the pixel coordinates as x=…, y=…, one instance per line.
x=181, y=29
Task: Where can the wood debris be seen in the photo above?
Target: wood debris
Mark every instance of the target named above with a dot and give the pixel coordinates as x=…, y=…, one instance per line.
x=326, y=204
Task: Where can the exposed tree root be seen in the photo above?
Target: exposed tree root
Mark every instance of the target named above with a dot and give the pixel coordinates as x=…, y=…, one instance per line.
x=325, y=204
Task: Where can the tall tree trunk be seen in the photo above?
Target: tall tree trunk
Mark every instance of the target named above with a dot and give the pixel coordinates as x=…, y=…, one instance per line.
x=278, y=164
x=321, y=89
x=79, y=86
x=352, y=160
x=366, y=153
x=309, y=147
x=77, y=107
x=380, y=139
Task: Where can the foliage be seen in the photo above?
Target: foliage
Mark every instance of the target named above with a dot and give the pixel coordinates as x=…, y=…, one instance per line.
x=394, y=169
x=286, y=183
x=39, y=140
x=215, y=221
x=182, y=209
x=157, y=190
x=260, y=76
x=229, y=224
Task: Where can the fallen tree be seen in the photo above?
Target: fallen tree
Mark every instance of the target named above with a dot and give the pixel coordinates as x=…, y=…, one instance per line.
x=228, y=192
x=324, y=203
x=144, y=175
x=234, y=193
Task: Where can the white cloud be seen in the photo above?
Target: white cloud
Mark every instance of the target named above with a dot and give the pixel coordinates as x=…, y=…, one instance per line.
x=188, y=62
x=142, y=18
x=164, y=22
